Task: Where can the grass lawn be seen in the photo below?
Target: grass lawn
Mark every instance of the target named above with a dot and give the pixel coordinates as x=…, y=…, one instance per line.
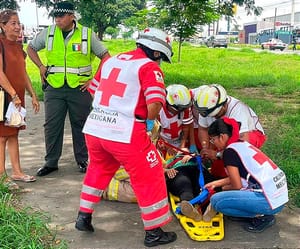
x=269, y=83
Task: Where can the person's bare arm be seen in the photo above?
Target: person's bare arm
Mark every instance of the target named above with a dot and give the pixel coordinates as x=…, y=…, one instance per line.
x=153, y=110
x=203, y=137
x=30, y=90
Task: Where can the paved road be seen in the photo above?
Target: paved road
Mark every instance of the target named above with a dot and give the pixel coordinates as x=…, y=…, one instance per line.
x=118, y=225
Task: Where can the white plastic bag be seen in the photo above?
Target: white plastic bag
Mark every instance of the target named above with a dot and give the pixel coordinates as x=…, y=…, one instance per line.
x=14, y=116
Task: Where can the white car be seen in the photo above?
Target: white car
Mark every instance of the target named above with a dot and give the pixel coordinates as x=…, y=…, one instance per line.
x=273, y=44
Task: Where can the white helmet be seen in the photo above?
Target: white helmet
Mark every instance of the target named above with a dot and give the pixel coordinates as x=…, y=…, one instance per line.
x=179, y=97
x=210, y=99
x=194, y=91
x=156, y=40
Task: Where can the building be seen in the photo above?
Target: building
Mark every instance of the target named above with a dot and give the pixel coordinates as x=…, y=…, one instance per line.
x=269, y=27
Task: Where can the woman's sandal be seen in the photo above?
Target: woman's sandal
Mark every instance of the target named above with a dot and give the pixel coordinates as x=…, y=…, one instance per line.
x=24, y=178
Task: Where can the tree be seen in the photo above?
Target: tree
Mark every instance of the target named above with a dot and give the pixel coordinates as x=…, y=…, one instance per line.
x=9, y=4
x=102, y=14
x=113, y=32
x=96, y=14
x=182, y=17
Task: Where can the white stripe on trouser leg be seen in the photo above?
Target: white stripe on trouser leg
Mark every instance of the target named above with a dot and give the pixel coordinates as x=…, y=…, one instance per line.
x=157, y=221
x=86, y=204
x=155, y=206
x=92, y=191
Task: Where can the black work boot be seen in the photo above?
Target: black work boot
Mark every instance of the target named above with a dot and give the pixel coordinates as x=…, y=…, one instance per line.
x=84, y=222
x=157, y=236
x=82, y=166
x=259, y=224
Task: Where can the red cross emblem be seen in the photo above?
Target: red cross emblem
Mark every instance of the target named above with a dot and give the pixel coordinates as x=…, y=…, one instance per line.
x=111, y=86
x=175, y=96
x=151, y=156
x=168, y=40
x=173, y=131
x=261, y=158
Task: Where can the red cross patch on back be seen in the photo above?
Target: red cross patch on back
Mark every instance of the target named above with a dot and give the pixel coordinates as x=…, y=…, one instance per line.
x=111, y=86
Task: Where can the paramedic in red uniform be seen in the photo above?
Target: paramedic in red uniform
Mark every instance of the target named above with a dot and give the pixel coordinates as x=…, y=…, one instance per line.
x=128, y=90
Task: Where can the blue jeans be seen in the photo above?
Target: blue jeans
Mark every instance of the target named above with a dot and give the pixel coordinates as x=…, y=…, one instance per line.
x=241, y=203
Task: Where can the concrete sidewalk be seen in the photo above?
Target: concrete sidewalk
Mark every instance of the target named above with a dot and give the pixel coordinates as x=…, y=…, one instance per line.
x=118, y=225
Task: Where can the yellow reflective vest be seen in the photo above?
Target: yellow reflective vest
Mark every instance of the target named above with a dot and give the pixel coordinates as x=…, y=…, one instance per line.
x=69, y=62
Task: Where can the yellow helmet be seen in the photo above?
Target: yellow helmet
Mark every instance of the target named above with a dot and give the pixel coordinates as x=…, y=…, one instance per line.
x=210, y=99
x=179, y=97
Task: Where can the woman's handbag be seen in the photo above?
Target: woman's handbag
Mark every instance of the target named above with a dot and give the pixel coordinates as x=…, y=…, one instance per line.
x=15, y=117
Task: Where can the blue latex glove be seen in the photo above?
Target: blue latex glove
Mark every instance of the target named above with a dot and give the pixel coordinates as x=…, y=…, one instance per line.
x=149, y=124
x=193, y=148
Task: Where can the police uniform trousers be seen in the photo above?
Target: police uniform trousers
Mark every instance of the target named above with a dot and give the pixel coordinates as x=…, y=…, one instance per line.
x=58, y=102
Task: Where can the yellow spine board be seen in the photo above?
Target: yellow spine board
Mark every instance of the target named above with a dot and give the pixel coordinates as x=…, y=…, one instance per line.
x=200, y=230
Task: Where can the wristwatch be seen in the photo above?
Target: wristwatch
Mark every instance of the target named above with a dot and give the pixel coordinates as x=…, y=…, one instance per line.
x=219, y=155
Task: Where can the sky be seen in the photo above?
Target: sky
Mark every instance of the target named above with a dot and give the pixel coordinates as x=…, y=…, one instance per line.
x=28, y=13
x=282, y=7
x=30, y=16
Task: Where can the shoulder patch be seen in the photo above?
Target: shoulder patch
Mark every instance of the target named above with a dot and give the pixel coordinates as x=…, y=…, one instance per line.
x=158, y=76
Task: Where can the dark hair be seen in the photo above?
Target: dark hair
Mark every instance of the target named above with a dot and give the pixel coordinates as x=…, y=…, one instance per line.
x=219, y=127
x=150, y=53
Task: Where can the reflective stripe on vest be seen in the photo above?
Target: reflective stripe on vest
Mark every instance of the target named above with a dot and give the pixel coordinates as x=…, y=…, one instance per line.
x=69, y=62
x=84, y=39
x=51, y=37
x=78, y=71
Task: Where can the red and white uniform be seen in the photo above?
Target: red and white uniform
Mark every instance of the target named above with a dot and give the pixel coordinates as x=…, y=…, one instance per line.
x=115, y=135
x=243, y=114
x=171, y=125
x=196, y=114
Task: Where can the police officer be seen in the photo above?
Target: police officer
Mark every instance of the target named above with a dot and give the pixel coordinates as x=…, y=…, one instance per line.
x=69, y=49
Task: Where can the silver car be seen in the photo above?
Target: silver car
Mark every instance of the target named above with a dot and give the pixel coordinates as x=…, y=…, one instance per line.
x=217, y=41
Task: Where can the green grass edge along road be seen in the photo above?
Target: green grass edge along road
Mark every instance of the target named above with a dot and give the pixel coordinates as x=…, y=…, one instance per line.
x=269, y=83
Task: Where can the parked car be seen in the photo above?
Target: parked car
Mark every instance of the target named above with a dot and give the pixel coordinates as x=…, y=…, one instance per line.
x=216, y=41
x=273, y=44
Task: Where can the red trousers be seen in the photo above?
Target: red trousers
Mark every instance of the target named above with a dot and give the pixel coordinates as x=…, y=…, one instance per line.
x=143, y=164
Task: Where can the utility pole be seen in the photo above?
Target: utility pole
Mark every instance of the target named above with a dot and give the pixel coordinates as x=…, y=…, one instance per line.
x=293, y=13
x=275, y=23
x=37, y=17
x=228, y=23
x=292, y=21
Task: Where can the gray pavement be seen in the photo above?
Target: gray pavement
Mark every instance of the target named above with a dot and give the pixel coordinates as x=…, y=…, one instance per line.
x=118, y=225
